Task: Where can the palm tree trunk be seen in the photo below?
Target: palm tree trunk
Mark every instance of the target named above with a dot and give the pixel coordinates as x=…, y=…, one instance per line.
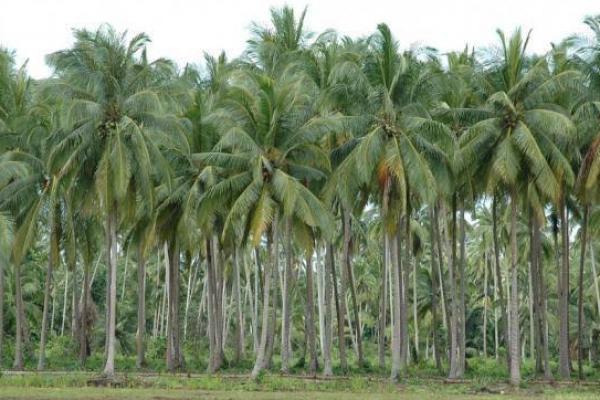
x=498, y=273
x=320, y=296
x=584, y=228
x=239, y=332
x=485, y=303
x=397, y=344
x=348, y=277
x=286, y=351
x=434, y=290
x=174, y=360
x=111, y=232
x=455, y=367
x=595, y=275
x=383, y=299
x=340, y=306
x=513, y=305
x=414, y=304
x=563, y=297
x=268, y=274
x=18, y=361
x=64, y=311
x=311, y=334
x=141, y=309
x=52, y=257
x=328, y=310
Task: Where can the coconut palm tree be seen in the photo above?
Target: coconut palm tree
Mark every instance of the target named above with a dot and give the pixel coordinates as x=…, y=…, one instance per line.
x=116, y=104
x=519, y=137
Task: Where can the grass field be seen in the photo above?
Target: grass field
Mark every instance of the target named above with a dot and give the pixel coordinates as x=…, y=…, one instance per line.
x=78, y=385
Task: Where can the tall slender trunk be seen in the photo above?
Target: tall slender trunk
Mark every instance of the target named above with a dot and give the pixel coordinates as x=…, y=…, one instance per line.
x=498, y=273
x=513, y=305
x=111, y=243
x=18, y=361
x=595, y=275
x=414, y=304
x=191, y=285
x=268, y=274
x=563, y=297
x=320, y=296
x=311, y=334
x=239, y=323
x=328, y=310
x=350, y=282
x=456, y=370
x=141, y=309
x=584, y=228
x=396, y=308
x=64, y=311
x=286, y=351
x=434, y=290
x=383, y=300
x=52, y=259
x=124, y=283
x=485, y=302
x=340, y=304
x=83, y=337
x=174, y=360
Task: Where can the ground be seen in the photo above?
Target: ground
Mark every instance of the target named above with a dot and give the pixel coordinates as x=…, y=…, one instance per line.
x=80, y=385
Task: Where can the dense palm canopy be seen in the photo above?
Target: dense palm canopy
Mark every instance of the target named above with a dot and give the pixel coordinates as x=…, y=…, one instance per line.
x=430, y=204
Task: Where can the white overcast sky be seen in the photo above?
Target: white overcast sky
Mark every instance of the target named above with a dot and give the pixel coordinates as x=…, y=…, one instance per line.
x=184, y=29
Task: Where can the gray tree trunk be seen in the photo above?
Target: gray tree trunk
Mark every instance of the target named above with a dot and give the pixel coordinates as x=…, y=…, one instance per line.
x=434, y=290
x=580, y=346
x=396, y=310
x=268, y=275
x=513, y=305
x=52, y=257
x=111, y=232
x=311, y=334
x=498, y=273
x=328, y=310
x=563, y=299
x=141, y=309
x=18, y=361
x=286, y=351
x=383, y=300
x=239, y=332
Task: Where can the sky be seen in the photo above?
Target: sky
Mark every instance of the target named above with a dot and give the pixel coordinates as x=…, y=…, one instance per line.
x=184, y=29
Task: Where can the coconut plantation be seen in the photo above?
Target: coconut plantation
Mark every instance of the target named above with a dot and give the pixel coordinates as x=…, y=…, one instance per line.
x=322, y=215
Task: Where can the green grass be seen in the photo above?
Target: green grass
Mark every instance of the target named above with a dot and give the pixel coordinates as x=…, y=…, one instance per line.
x=74, y=385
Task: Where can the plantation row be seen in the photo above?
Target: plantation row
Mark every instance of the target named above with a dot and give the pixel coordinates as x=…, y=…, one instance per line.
x=311, y=201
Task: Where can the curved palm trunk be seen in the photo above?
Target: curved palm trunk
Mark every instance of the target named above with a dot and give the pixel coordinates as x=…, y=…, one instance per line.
x=268, y=275
x=456, y=367
x=584, y=228
x=18, y=361
x=563, y=298
x=111, y=242
x=141, y=309
x=311, y=334
x=513, y=305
